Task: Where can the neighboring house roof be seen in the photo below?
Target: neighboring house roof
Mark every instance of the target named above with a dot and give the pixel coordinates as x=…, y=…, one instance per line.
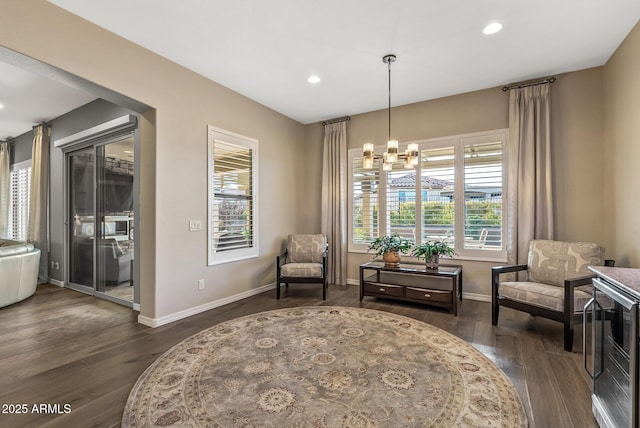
x=409, y=180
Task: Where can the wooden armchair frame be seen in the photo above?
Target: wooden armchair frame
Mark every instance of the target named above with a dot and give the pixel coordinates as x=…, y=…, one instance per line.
x=567, y=316
x=281, y=260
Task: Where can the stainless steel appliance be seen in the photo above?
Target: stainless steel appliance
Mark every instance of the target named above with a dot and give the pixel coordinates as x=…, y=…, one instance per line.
x=611, y=354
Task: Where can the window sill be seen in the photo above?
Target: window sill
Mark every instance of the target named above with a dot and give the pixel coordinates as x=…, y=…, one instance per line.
x=232, y=259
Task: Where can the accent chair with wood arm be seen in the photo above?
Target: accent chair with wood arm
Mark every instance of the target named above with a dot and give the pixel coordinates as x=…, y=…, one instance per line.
x=556, y=286
x=303, y=261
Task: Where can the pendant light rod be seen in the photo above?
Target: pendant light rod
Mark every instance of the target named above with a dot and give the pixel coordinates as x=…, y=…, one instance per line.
x=388, y=59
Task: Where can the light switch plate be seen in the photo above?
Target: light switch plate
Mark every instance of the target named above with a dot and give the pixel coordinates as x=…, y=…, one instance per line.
x=195, y=225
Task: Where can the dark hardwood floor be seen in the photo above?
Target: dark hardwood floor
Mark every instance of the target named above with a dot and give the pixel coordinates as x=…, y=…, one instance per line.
x=66, y=348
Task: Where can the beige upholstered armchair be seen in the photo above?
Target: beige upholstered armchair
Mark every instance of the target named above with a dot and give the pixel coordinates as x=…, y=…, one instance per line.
x=303, y=261
x=556, y=286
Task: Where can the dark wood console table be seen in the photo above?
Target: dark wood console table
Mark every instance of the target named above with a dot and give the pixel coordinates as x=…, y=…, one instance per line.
x=413, y=282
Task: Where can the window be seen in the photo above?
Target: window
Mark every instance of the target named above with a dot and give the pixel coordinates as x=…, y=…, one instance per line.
x=364, y=202
x=453, y=194
x=232, y=223
x=20, y=179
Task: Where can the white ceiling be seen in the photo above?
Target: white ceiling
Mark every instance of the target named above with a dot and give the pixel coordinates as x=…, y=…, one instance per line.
x=28, y=98
x=265, y=50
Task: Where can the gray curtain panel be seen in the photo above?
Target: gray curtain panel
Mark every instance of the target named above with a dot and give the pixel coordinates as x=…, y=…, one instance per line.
x=530, y=196
x=37, y=232
x=334, y=200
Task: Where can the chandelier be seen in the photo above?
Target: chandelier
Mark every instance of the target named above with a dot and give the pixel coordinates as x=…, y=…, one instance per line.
x=410, y=156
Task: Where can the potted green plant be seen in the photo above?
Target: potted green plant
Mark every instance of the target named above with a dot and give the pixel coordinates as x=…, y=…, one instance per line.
x=390, y=247
x=431, y=251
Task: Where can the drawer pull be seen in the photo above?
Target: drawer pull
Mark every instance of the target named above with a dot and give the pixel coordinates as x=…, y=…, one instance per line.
x=427, y=295
x=382, y=290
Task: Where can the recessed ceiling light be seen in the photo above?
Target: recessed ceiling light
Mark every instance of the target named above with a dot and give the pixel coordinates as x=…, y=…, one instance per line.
x=492, y=28
x=313, y=79
x=1, y=105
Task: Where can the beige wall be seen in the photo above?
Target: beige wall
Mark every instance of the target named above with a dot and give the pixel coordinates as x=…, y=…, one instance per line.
x=174, y=165
x=622, y=151
x=577, y=132
x=577, y=151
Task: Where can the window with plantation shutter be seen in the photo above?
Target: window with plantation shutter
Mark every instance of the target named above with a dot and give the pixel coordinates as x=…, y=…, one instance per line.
x=437, y=183
x=365, y=184
x=20, y=180
x=232, y=224
x=483, y=195
x=453, y=194
x=400, y=201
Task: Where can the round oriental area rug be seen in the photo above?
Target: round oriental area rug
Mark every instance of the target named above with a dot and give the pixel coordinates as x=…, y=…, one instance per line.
x=323, y=367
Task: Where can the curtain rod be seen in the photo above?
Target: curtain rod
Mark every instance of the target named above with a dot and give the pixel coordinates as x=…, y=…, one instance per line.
x=43, y=123
x=336, y=120
x=526, y=84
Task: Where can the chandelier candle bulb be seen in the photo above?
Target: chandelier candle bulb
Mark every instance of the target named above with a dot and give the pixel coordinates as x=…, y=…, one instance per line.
x=413, y=154
x=392, y=151
x=367, y=153
x=386, y=164
x=408, y=162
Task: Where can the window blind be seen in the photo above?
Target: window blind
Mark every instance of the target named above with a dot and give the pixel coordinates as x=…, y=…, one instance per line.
x=438, y=194
x=20, y=181
x=401, y=201
x=232, y=219
x=366, y=183
x=483, y=195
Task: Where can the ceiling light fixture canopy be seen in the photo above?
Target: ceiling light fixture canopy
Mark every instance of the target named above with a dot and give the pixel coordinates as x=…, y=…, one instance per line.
x=410, y=155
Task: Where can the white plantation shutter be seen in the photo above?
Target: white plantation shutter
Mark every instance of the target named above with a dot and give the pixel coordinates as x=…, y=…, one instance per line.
x=19, y=200
x=438, y=194
x=483, y=195
x=232, y=197
x=365, y=185
x=401, y=201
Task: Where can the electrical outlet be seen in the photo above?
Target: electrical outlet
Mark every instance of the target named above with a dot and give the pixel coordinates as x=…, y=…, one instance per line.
x=195, y=225
x=57, y=265
x=201, y=284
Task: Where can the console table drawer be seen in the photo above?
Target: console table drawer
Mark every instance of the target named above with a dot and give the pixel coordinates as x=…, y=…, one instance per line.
x=383, y=289
x=427, y=295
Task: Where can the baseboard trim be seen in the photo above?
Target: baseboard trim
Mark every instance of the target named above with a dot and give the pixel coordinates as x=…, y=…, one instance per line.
x=157, y=322
x=56, y=282
x=476, y=296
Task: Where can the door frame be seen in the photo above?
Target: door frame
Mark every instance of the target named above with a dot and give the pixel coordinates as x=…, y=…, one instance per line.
x=100, y=135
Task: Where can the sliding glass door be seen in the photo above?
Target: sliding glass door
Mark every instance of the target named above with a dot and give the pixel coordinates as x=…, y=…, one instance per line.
x=81, y=185
x=101, y=210
x=114, y=203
